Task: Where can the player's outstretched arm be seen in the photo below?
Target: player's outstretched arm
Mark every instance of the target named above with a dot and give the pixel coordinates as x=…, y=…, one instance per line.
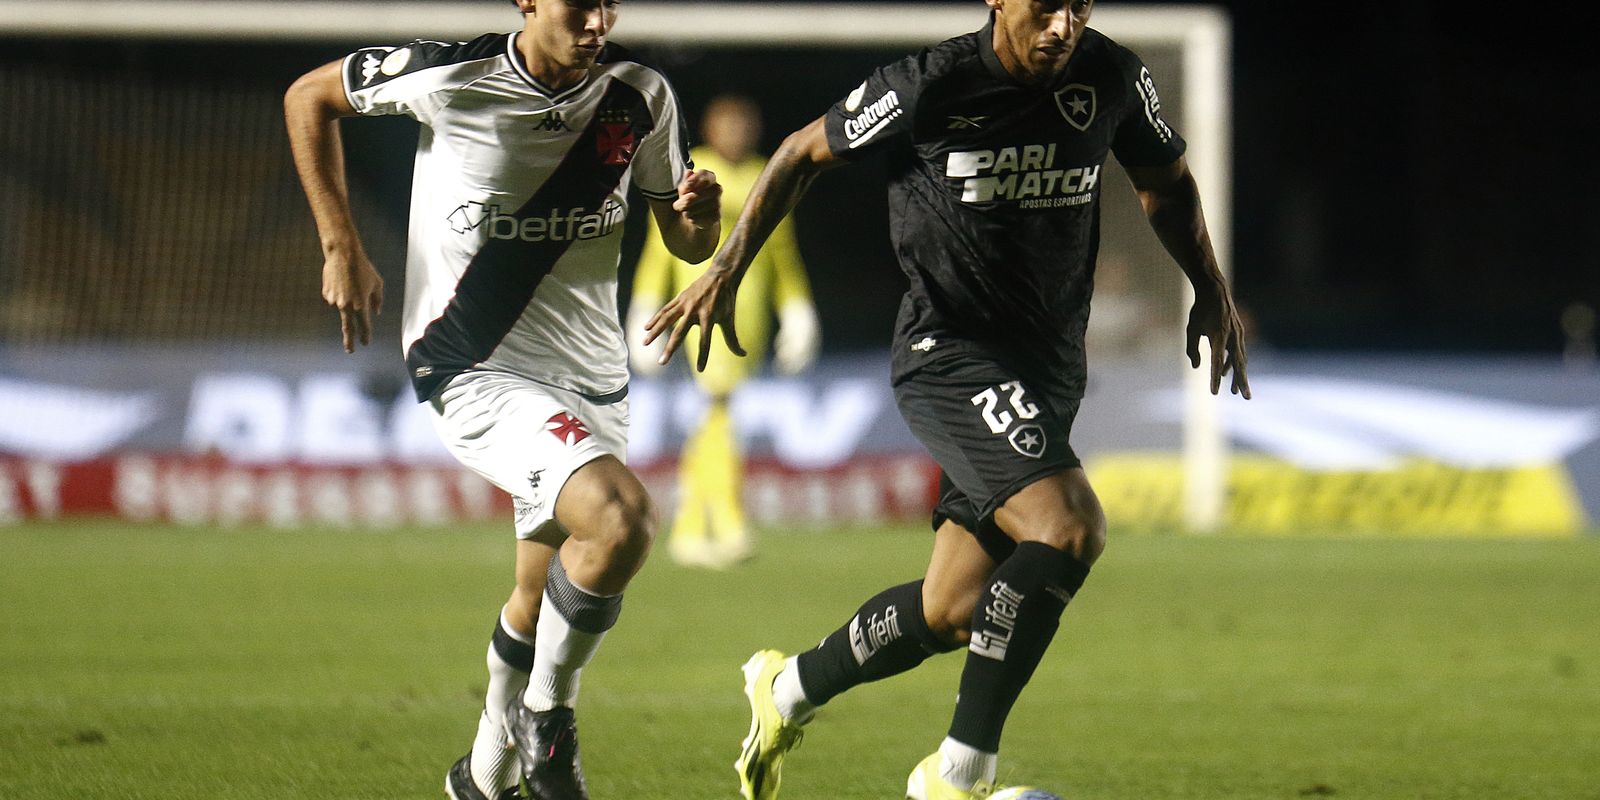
x=1171, y=200
x=708, y=302
x=312, y=108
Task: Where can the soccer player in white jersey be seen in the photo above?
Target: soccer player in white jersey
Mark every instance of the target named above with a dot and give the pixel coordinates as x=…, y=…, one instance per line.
x=529, y=144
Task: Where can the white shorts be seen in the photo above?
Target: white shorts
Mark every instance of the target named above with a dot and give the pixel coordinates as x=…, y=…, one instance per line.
x=528, y=439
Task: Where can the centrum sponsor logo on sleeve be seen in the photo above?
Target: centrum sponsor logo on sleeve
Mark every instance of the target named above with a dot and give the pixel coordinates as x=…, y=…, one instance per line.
x=1027, y=173
x=860, y=128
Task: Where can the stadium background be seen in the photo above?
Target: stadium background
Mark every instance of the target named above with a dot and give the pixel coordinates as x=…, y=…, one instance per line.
x=184, y=451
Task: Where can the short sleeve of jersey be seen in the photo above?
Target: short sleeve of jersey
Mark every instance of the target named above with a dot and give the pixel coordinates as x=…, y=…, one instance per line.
x=1143, y=138
x=663, y=156
x=877, y=112
x=400, y=80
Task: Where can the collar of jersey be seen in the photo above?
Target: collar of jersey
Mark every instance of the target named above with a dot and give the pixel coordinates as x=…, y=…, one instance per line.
x=515, y=57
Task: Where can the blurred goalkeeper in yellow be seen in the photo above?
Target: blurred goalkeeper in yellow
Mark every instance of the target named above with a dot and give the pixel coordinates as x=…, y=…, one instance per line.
x=710, y=529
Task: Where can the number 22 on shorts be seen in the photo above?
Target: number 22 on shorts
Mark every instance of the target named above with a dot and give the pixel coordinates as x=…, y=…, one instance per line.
x=999, y=421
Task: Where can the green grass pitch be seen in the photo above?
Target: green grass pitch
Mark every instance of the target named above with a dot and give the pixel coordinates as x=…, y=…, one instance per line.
x=165, y=663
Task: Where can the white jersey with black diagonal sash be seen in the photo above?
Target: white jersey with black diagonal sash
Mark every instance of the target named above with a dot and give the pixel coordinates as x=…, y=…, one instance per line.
x=517, y=205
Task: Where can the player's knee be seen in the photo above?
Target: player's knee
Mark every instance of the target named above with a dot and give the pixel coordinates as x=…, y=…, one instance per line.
x=1080, y=532
x=624, y=522
x=949, y=623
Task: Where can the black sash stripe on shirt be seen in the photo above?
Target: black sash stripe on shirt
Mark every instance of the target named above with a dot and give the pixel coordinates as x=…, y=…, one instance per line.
x=500, y=281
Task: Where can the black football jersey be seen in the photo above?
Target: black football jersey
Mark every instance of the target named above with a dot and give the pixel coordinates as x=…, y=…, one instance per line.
x=994, y=194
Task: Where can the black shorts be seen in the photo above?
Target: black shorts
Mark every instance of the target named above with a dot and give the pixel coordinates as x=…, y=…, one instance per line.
x=991, y=435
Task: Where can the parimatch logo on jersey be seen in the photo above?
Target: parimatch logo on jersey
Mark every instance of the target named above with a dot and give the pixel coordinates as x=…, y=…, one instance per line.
x=1027, y=173
x=560, y=225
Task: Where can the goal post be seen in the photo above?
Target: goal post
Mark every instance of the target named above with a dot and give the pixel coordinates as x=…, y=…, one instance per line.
x=1201, y=35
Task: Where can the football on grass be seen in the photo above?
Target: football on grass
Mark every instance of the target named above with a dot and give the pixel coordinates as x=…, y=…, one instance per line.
x=1024, y=793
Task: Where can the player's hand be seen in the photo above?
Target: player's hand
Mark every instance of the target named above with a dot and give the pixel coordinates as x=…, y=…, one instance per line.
x=1215, y=317
x=699, y=198
x=708, y=302
x=351, y=284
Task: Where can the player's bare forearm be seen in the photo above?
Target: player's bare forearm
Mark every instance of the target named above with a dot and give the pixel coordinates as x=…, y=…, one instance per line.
x=312, y=108
x=1171, y=200
x=709, y=300
x=788, y=174
x=684, y=238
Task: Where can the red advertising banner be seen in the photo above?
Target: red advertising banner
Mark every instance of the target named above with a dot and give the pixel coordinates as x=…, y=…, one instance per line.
x=213, y=491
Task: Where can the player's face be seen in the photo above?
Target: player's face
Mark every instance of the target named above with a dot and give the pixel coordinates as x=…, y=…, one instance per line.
x=1039, y=35
x=571, y=32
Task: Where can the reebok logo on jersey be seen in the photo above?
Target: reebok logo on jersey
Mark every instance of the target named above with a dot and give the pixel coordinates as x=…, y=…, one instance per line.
x=561, y=225
x=1001, y=618
x=927, y=344
x=1077, y=104
x=960, y=123
x=1027, y=173
x=567, y=428
x=865, y=640
x=860, y=128
x=1152, y=104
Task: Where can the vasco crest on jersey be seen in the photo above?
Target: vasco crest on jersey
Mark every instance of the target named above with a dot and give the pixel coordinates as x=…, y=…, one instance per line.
x=1077, y=102
x=615, y=140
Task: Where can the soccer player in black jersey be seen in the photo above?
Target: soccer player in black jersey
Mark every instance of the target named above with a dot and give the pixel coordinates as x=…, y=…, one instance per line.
x=996, y=142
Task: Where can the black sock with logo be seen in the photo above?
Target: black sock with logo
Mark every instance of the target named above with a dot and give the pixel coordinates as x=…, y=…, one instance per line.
x=1012, y=626
x=887, y=636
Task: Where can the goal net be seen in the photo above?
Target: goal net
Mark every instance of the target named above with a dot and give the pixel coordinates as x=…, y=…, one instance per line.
x=147, y=195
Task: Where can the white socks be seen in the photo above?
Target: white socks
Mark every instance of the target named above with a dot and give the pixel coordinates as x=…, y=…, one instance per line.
x=559, y=657
x=572, y=621
x=964, y=766
x=789, y=696
x=493, y=760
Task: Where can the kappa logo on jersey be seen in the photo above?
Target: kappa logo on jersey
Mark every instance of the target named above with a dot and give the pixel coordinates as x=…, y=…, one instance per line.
x=1028, y=440
x=369, y=68
x=1001, y=618
x=615, y=142
x=873, y=118
x=560, y=225
x=960, y=123
x=552, y=121
x=567, y=428
x=1027, y=173
x=1152, y=104
x=927, y=344
x=1077, y=102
